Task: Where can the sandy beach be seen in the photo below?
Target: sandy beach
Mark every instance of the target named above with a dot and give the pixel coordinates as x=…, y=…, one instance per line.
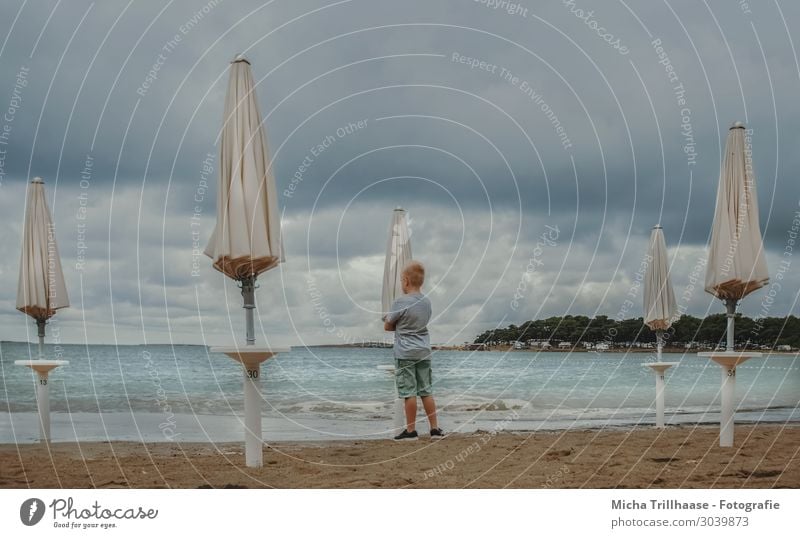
x=678, y=457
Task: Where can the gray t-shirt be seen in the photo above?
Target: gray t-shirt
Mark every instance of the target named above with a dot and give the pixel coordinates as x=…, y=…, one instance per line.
x=411, y=314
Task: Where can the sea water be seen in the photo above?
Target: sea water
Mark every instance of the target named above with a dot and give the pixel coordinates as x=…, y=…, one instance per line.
x=186, y=393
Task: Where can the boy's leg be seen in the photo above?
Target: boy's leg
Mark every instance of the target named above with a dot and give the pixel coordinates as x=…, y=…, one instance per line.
x=407, y=389
x=424, y=380
x=430, y=409
x=411, y=413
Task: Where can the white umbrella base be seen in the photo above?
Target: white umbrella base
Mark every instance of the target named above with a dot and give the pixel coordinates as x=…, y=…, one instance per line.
x=659, y=368
x=399, y=412
x=251, y=357
x=42, y=368
x=728, y=360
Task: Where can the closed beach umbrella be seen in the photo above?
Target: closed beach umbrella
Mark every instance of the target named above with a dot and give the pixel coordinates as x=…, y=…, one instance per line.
x=41, y=290
x=398, y=254
x=736, y=263
x=246, y=240
x=659, y=298
x=659, y=309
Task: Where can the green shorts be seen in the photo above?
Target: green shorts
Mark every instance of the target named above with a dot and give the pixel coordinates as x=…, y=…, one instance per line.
x=413, y=377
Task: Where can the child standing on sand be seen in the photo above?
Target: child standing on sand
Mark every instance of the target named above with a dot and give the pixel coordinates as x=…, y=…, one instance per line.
x=408, y=318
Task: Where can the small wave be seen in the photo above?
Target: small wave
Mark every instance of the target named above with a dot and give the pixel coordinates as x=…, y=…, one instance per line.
x=499, y=405
x=471, y=404
x=335, y=408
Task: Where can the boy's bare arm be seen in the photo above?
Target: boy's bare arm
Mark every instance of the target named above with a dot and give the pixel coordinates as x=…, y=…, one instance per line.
x=388, y=326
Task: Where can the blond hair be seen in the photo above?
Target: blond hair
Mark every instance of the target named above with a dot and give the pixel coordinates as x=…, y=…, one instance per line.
x=414, y=271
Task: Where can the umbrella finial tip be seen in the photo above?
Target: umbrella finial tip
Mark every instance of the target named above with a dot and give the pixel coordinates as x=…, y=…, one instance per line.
x=37, y=179
x=737, y=125
x=398, y=208
x=240, y=57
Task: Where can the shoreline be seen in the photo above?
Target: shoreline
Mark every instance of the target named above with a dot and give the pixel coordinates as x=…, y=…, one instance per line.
x=150, y=428
x=678, y=351
x=439, y=347
x=764, y=456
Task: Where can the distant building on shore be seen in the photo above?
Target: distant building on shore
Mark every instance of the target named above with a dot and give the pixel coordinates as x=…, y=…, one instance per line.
x=538, y=344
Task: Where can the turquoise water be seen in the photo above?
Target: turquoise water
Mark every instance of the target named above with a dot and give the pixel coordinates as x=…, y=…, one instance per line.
x=163, y=392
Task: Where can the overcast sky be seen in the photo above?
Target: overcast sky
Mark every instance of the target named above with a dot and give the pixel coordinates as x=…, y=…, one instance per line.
x=567, y=123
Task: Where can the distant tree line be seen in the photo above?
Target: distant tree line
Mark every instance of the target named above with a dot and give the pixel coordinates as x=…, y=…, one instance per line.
x=707, y=332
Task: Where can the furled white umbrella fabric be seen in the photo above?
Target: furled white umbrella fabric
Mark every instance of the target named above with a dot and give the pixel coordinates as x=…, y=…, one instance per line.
x=736, y=263
x=398, y=254
x=659, y=298
x=41, y=290
x=247, y=238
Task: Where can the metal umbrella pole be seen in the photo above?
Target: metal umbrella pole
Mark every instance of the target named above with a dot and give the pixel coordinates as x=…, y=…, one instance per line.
x=659, y=344
x=40, y=325
x=730, y=305
x=249, y=297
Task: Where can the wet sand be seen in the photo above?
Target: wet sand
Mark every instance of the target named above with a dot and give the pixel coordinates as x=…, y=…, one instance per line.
x=678, y=457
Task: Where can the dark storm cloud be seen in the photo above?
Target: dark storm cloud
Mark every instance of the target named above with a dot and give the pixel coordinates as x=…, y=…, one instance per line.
x=447, y=108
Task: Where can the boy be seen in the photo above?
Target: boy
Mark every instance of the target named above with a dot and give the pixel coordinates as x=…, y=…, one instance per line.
x=408, y=319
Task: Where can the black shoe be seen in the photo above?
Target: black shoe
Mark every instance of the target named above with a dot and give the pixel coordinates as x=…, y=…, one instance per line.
x=437, y=433
x=406, y=435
